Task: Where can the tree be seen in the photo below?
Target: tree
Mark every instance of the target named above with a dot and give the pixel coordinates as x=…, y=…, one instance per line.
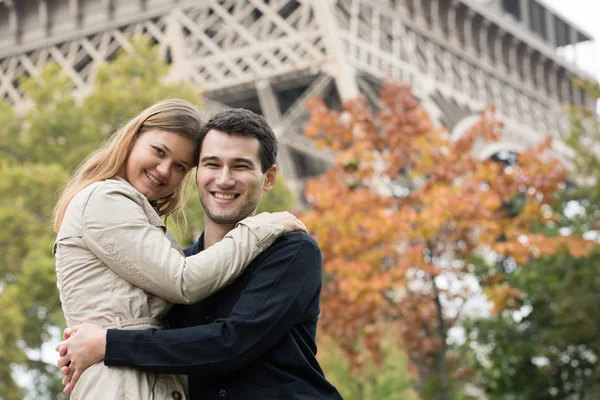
x=390, y=382
x=39, y=148
x=583, y=139
x=547, y=348
x=403, y=215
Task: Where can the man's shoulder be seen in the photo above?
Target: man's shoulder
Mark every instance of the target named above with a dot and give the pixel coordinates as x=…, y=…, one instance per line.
x=296, y=249
x=299, y=236
x=288, y=242
x=295, y=239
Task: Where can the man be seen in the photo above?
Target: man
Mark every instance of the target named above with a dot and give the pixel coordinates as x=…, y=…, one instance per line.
x=253, y=339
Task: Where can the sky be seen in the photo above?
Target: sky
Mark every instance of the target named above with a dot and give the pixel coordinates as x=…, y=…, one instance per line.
x=584, y=14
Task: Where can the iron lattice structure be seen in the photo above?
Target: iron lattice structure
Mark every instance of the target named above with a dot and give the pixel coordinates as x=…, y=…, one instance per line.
x=271, y=55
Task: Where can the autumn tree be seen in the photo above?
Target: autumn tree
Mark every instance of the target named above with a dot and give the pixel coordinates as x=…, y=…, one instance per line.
x=402, y=216
x=547, y=348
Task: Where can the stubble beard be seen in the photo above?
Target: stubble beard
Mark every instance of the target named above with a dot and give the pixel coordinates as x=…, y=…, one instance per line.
x=232, y=217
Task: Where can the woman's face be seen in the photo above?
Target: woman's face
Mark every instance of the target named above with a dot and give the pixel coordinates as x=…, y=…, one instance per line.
x=158, y=163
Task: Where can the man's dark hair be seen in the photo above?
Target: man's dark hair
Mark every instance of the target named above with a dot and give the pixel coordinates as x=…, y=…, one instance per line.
x=242, y=122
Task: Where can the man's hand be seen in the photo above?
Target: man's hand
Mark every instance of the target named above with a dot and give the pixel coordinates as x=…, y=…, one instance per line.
x=83, y=346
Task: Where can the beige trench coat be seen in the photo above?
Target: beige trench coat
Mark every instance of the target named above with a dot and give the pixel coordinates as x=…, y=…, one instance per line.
x=117, y=266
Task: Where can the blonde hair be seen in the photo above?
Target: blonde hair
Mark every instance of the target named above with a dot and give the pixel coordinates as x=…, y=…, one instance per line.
x=172, y=115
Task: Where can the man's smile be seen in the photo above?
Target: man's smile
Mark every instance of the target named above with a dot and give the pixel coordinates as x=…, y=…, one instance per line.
x=225, y=196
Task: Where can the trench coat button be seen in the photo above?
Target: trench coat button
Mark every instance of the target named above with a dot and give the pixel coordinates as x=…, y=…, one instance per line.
x=222, y=393
x=176, y=395
x=209, y=319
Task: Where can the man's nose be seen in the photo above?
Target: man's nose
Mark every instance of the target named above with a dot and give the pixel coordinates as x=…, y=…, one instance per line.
x=225, y=178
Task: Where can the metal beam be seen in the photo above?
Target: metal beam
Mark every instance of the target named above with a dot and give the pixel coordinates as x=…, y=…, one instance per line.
x=224, y=48
x=338, y=67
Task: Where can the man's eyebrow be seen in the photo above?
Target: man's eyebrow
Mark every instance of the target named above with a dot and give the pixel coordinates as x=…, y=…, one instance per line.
x=243, y=160
x=237, y=160
x=209, y=158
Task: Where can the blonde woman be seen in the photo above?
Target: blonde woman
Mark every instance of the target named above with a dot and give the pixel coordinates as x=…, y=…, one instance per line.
x=118, y=266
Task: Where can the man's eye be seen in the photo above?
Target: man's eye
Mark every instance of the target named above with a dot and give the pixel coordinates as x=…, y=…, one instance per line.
x=241, y=167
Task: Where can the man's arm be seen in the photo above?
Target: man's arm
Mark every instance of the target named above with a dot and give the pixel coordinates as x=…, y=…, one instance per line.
x=277, y=294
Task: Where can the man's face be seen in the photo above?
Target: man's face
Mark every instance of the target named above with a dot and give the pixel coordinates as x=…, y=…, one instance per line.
x=229, y=177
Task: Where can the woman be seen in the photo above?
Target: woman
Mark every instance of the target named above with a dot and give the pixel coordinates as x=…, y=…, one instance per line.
x=116, y=263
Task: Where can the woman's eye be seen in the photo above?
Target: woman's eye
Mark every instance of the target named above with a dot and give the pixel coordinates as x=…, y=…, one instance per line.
x=159, y=151
x=182, y=167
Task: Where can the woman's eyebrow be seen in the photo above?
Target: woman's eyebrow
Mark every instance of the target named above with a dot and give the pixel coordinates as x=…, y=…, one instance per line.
x=169, y=151
x=165, y=146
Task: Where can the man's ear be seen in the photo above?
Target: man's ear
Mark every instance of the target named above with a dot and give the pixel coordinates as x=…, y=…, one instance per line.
x=270, y=178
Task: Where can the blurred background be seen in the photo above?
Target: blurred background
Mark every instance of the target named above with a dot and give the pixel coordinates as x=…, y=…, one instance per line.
x=444, y=153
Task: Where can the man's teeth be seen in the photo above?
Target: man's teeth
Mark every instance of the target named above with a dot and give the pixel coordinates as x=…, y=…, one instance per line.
x=222, y=196
x=153, y=179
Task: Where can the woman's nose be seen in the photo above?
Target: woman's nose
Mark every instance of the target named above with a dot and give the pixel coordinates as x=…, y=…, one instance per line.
x=163, y=169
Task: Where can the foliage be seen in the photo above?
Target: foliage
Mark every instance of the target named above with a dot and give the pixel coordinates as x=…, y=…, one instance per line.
x=584, y=140
x=403, y=215
x=39, y=148
x=390, y=382
x=547, y=348
x=280, y=198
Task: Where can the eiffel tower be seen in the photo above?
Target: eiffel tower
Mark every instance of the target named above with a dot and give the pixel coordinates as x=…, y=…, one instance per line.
x=271, y=55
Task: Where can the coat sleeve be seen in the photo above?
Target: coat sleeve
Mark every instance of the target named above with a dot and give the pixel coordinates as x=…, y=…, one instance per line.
x=275, y=297
x=117, y=230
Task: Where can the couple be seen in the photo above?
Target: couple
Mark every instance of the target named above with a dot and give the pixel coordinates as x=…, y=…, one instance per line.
x=246, y=293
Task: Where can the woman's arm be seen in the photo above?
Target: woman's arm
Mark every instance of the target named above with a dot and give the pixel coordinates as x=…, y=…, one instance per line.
x=117, y=230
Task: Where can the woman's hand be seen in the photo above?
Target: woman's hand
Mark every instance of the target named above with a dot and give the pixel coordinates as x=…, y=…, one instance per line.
x=290, y=222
